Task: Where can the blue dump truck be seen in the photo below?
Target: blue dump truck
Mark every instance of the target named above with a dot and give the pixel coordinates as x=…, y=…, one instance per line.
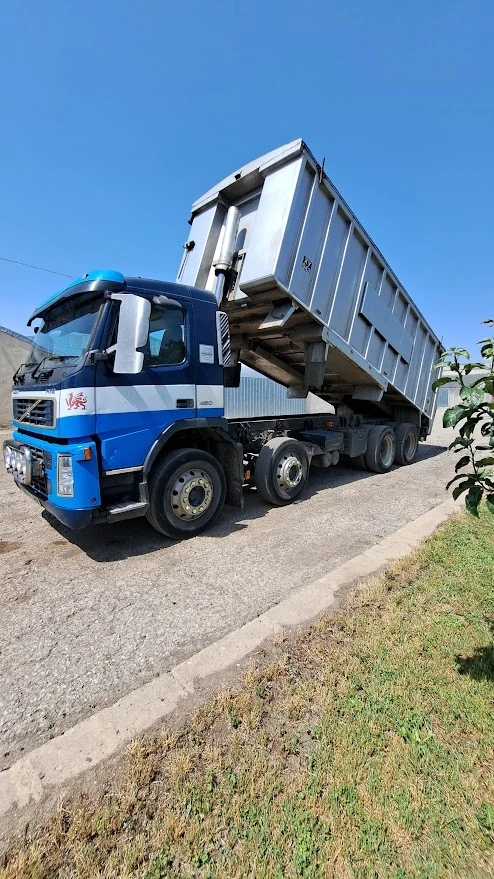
x=118, y=411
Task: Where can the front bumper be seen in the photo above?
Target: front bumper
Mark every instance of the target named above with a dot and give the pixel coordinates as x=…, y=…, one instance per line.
x=83, y=507
x=75, y=519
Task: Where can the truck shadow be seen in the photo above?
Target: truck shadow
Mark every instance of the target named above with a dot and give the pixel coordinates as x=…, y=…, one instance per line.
x=113, y=543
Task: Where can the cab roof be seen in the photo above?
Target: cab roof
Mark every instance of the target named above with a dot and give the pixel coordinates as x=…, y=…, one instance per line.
x=108, y=279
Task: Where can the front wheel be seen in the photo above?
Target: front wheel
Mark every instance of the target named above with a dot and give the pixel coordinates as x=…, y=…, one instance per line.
x=186, y=493
x=282, y=470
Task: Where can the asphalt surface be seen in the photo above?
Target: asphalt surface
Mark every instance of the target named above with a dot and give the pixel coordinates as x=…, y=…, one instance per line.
x=88, y=616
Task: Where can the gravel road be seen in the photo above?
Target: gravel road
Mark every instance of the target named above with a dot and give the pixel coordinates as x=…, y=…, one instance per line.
x=88, y=616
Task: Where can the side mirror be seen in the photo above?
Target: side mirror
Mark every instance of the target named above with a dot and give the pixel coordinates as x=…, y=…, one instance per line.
x=132, y=334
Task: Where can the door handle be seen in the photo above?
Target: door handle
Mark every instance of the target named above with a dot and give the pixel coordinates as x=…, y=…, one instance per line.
x=184, y=403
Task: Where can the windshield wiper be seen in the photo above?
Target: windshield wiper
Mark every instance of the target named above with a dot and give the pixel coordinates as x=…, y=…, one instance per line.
x=18, y=373
x=52, y=357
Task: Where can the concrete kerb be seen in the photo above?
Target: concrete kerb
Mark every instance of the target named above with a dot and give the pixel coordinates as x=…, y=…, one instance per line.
x=222, y=654
x=90, y=742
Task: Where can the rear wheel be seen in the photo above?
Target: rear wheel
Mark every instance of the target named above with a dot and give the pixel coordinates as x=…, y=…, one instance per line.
x=407, y=443
x=380, y=453
x=186, y=493
x=282, y=470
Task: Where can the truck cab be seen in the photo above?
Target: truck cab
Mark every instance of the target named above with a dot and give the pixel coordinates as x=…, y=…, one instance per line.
x=121, y=370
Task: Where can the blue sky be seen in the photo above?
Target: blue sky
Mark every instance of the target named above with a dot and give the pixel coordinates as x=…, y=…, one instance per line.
x=116, y=116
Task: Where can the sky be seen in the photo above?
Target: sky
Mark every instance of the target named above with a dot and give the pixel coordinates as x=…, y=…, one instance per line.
x=116, y=116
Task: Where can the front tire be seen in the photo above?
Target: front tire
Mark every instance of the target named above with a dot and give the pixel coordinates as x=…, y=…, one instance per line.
x=186, y=493
x=282, y=470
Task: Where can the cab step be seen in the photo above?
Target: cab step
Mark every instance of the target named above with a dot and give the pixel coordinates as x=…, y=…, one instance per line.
x=128, y=510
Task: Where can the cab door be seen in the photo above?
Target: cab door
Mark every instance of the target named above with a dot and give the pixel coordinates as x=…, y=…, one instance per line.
x=133, y=410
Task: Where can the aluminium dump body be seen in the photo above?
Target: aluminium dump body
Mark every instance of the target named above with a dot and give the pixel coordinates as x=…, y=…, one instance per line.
x=311, y=301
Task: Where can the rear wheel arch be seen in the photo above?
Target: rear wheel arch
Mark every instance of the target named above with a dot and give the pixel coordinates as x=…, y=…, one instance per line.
x=179, y=435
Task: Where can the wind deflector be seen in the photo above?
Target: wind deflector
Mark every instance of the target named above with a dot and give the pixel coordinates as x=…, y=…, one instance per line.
x=92, y=282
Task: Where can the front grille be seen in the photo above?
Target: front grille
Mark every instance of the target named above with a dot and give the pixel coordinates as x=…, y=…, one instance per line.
x=40, y=461
x=42, y=413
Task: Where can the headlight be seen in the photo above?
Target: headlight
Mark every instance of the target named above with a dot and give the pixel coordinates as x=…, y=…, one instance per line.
x=18, y=462
x=7, y=456
x=23, y=467
x=65, y=476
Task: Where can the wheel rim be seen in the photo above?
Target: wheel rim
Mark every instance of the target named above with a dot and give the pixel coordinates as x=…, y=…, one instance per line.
x=410, y=446
x=192, y=494
x=387, y=450
x=289, y=472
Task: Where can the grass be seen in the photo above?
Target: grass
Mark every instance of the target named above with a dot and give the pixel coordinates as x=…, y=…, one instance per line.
x=363, y=750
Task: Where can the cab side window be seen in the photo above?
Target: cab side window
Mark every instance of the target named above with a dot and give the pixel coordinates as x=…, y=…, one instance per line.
x=166, y=342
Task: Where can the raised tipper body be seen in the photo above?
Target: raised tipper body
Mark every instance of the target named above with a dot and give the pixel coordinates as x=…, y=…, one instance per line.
x=311, y=301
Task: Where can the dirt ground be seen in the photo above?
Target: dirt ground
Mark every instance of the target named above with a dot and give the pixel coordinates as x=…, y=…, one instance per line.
x=88, y=616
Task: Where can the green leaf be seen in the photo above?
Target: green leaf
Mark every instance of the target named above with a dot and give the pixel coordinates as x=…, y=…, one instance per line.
x=469, y=367
x=452, y=416
x=485, y=462
x=487, y=430
x=489, y=322
x=461, y=476
x=463, y=486
x=444, y=380
x=472, y=396
x=490, y=502
x=461, y=441
x=473, y=499
x=442, y=364
x=485, y=381
x=462, y=462
x=467, y=430
x=460, y=352
x=487, y=350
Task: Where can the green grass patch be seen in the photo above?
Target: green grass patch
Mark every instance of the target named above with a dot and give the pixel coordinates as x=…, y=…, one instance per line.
x=365, y=750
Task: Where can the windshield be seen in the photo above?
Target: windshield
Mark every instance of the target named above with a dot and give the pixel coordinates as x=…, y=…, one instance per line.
x=66, y=331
